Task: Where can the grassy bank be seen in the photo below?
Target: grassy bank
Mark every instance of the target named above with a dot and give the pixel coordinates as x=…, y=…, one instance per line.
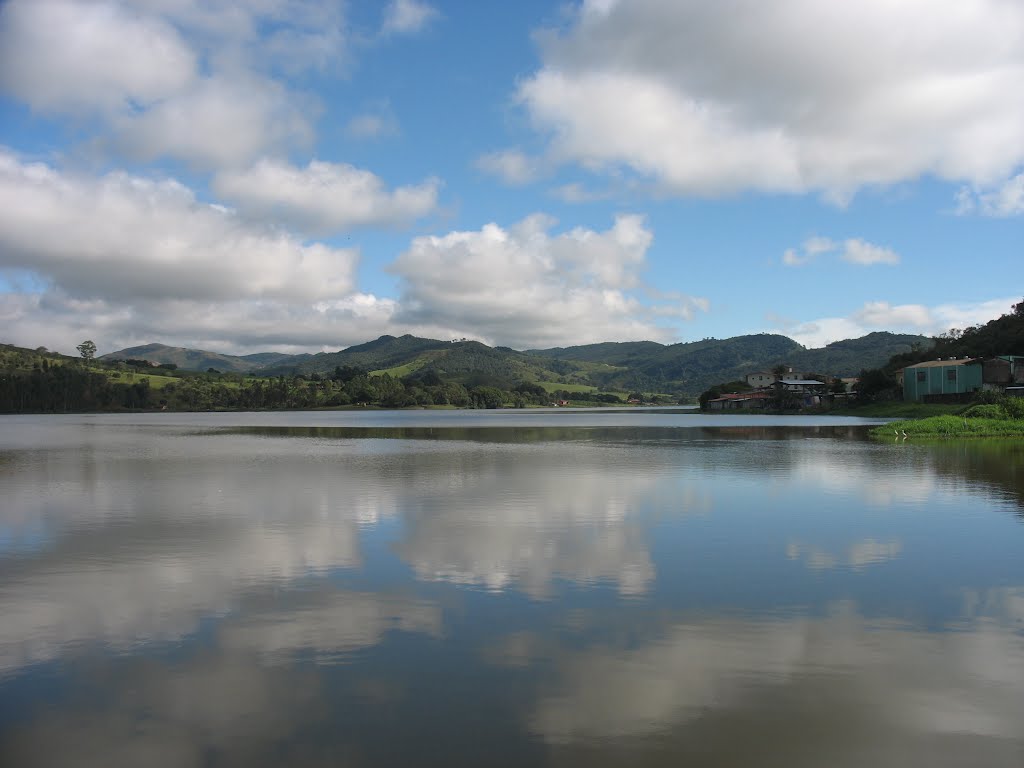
x=999, y=417
x=952, y=426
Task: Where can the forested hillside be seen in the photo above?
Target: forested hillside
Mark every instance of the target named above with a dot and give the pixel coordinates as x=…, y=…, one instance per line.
x=407, y=370
x=200, y=359
x=693, y=367
x=1002, y=336
x=849, y=357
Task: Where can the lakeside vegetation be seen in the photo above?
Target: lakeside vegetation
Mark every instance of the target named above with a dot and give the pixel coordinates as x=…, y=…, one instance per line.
x=994, y=415
x=878, y=393
x=39, y=381
x=407, y=371
x=681, y=371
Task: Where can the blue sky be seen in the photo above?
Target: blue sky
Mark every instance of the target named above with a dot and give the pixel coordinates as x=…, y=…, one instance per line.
x=298, y=175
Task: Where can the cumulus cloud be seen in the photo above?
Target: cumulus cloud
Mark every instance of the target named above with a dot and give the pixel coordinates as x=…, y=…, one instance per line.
x=83, y=57
x=860, y=252
x=852, y=250
x=324, y=197
x=220, y=121
x=1004, y=200
x=407, y=17
x=511, y=165
x=899, y=318
x=185, y=80
x=54, y=319
x=124, y=259
x=574, y=192
x=528, y=287
x=792, y=96
x=372, y=124
x=127, y=237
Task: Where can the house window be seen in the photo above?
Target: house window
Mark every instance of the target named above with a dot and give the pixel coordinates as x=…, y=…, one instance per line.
x=951, y=374
x=922, y=376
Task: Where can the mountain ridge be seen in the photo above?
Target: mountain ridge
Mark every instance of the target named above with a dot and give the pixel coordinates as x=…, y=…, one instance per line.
x=684, y=367
x=189, y=359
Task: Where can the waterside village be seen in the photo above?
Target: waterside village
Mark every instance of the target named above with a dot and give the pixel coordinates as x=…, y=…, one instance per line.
x=950, y=380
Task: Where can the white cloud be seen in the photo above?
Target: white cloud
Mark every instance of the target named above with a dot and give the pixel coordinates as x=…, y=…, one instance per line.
x=407, y=17
x=858, y=251
x=124, y=259
x=511, y=165
x=791, y=96
x=372, y=125
x=853, y=250
x=529, y=288
x=74, y=56
x=172, y=78
x=324, y=197
x=900, y=318
x=122, y=237
x=218, y=122
x=817, y=245
x=56, y=320
x=1006, y=199
x=574, y=192
x=880, y=314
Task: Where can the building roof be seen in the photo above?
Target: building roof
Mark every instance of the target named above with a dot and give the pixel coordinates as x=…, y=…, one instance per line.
x=944, y=363
x=802, y=382
x=756, y=395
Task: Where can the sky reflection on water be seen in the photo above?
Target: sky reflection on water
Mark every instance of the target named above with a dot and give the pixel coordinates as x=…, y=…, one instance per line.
x=491, y=592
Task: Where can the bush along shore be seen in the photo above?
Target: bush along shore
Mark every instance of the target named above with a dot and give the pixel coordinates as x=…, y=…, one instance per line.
x=995, y=416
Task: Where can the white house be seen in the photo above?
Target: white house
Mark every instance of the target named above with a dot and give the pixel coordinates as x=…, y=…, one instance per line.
x=767, y=378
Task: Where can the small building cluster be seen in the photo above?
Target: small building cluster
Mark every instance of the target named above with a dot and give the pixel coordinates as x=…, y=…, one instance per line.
x=950, y=380
x=958, y=379
x=790, y=389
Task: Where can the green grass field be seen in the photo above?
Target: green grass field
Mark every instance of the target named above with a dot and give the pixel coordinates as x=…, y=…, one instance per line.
x=156, y=381
x=401, y=370
x=555, y=386
x=952, y=426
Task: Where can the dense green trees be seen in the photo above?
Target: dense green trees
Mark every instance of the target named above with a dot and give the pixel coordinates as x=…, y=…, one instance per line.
x=50, y=388
x=87, y=349
x=43, y=382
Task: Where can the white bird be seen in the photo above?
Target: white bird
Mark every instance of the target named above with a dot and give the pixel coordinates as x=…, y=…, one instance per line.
x=904, y=433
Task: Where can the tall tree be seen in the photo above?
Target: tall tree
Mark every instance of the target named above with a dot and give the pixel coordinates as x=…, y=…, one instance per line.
x=87, y=349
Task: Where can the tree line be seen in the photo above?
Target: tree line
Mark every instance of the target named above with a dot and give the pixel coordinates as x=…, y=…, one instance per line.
x=47, y=383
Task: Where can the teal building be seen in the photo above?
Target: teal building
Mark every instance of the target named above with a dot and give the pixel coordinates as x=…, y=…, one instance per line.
x=941, y=377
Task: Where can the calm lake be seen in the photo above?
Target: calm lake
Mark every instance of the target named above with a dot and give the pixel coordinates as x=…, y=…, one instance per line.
x=509, y=588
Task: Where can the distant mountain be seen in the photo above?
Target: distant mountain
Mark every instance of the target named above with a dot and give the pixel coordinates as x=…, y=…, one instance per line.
x=693, y=367
x=609, y=352
x=200, y=359
x=385, y=352
x=468, y=362
x=689, y=367
x=850, y=356
x=686, y=368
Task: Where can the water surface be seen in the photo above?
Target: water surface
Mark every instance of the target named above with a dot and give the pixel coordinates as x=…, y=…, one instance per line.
x=506, y=588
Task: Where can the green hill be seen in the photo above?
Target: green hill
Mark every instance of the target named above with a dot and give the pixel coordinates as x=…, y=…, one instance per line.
x=1002, y=336
x=467, y=362
x=851, y=356
x=200, y=359
x=692, y=367
x=686, y=368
